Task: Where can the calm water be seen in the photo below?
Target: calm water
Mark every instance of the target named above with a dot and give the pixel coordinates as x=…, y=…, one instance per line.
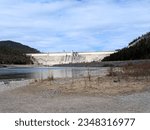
x=18, y=77
x=19, y=73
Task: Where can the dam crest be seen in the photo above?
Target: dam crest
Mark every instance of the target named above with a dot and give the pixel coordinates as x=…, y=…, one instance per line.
x=54, y=58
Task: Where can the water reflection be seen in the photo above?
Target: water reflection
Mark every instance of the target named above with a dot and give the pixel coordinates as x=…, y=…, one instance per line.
x=45, y=72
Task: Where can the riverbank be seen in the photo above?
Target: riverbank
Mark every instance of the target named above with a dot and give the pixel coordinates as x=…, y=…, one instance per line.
x=2, y=66
x=86, y=94
x=88, y=64
x=104, y=63
x=24, y=66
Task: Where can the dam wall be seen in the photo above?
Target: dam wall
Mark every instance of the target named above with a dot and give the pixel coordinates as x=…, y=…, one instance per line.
x=51, y=59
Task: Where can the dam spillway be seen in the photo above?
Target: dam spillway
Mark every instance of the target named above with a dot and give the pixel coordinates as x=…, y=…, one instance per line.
x=53, y=58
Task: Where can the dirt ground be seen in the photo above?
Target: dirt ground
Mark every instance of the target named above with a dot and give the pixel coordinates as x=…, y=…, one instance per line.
x=87, y=94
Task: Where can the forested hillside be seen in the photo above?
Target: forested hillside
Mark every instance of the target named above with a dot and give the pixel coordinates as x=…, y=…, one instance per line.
x=14, y=53
x=137, y=49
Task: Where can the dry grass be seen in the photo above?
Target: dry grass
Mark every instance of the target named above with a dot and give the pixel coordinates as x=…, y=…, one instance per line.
x=131, y=70
x=106, y=85
x=50, y=79
x=136, y=70
x=127, y=79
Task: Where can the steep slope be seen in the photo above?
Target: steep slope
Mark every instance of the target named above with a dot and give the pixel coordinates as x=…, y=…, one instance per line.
x=14, y=53
x=137, y=49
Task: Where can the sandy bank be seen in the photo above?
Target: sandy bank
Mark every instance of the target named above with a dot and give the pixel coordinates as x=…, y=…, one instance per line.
x=89, y=94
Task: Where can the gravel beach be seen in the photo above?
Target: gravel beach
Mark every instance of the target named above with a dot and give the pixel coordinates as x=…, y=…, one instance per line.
x=81, y=95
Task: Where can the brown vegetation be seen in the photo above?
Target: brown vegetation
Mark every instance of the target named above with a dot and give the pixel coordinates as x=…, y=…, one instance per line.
x=119, y=80
x=131, y=70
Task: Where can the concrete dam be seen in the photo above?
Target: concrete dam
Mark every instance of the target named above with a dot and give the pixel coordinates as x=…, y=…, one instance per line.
x=50, y=59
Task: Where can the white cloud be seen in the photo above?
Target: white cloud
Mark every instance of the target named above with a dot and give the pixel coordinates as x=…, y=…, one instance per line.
x=74, y=25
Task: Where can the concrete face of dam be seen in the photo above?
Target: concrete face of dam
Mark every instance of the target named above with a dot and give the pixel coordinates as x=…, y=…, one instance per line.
x=51, y=59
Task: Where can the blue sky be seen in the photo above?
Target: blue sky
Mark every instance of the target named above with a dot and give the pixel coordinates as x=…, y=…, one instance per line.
x=79, y=25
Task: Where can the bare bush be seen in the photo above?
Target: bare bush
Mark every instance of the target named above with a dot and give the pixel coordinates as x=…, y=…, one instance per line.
x=89, y=75
x=111, y=72
x=136, y=70
x=131, y=70
x=50, y=78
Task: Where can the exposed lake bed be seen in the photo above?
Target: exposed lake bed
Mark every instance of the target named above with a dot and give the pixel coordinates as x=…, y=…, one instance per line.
x=91, y=91
x=65, y=95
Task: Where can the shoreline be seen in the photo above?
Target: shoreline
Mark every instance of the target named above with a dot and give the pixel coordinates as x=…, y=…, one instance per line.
x=86, y=94
x=105, y=63
x=120, y=89
x=19, y=66
x=90, y=64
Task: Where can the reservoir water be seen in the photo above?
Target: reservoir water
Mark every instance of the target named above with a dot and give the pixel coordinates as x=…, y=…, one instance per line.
x=19, y=73
x=22, y=76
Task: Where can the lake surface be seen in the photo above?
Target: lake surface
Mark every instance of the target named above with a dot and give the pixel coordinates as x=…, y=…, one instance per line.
x=24, y=73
